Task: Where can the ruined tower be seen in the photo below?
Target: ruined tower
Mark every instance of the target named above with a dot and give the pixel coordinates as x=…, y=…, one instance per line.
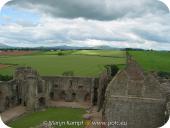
x=33, y=91
x=134, y=96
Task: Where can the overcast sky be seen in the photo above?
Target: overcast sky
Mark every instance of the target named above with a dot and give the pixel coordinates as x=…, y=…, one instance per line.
x=117, y=23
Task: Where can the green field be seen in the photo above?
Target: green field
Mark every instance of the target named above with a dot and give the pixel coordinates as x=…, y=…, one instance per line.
x=84, y=62
x=51, y=114
x=81, y=64
x=152, y=60
x=107, y=53
x=100, y=53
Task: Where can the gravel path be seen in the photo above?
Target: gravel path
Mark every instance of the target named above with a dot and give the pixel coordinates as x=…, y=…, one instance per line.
x=12, y=113
x=70, y=104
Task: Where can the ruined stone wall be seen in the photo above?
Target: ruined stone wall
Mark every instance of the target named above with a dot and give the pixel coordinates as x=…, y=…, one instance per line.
x=103, y=82
x=33, y=92
x=8, y=95
x=4, y=93
x=70, y=88
x=88, y=89
x=30, y=89
x=135, y=97
x=164, y=86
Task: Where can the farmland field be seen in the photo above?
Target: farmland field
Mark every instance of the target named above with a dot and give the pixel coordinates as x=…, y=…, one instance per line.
x=15, y=53
x=100, y=53
x=152, y=60
x=49, y=63
x=106, y=53
x=51, y=114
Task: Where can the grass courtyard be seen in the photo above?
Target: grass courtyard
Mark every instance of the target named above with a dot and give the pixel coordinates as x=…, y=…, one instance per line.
x=32, y=120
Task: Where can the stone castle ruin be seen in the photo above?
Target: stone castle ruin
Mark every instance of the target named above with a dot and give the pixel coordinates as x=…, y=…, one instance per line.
x=135, y=97
x=34, y=92
x=139, y=98
x=27, y=89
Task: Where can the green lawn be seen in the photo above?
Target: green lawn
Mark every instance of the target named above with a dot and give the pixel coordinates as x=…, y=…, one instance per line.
x=81, y=65
x=51, y=114
x=153, y=60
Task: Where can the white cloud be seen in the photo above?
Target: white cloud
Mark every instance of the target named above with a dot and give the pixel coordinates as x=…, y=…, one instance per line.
x=94, y=9
x=81, y=32
x=150, y=30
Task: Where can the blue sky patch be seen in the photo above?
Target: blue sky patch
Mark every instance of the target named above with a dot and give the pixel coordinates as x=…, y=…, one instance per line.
x=14, y=15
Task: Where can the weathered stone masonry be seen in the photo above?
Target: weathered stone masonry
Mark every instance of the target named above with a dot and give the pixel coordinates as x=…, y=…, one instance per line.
x=135, y=97
x=70, y=88
x=30, y=89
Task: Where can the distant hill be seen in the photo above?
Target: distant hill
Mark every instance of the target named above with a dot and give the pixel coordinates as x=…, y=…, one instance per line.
x=4, y=46
x=66, y=47
x=105, y=47
x=61, y=47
